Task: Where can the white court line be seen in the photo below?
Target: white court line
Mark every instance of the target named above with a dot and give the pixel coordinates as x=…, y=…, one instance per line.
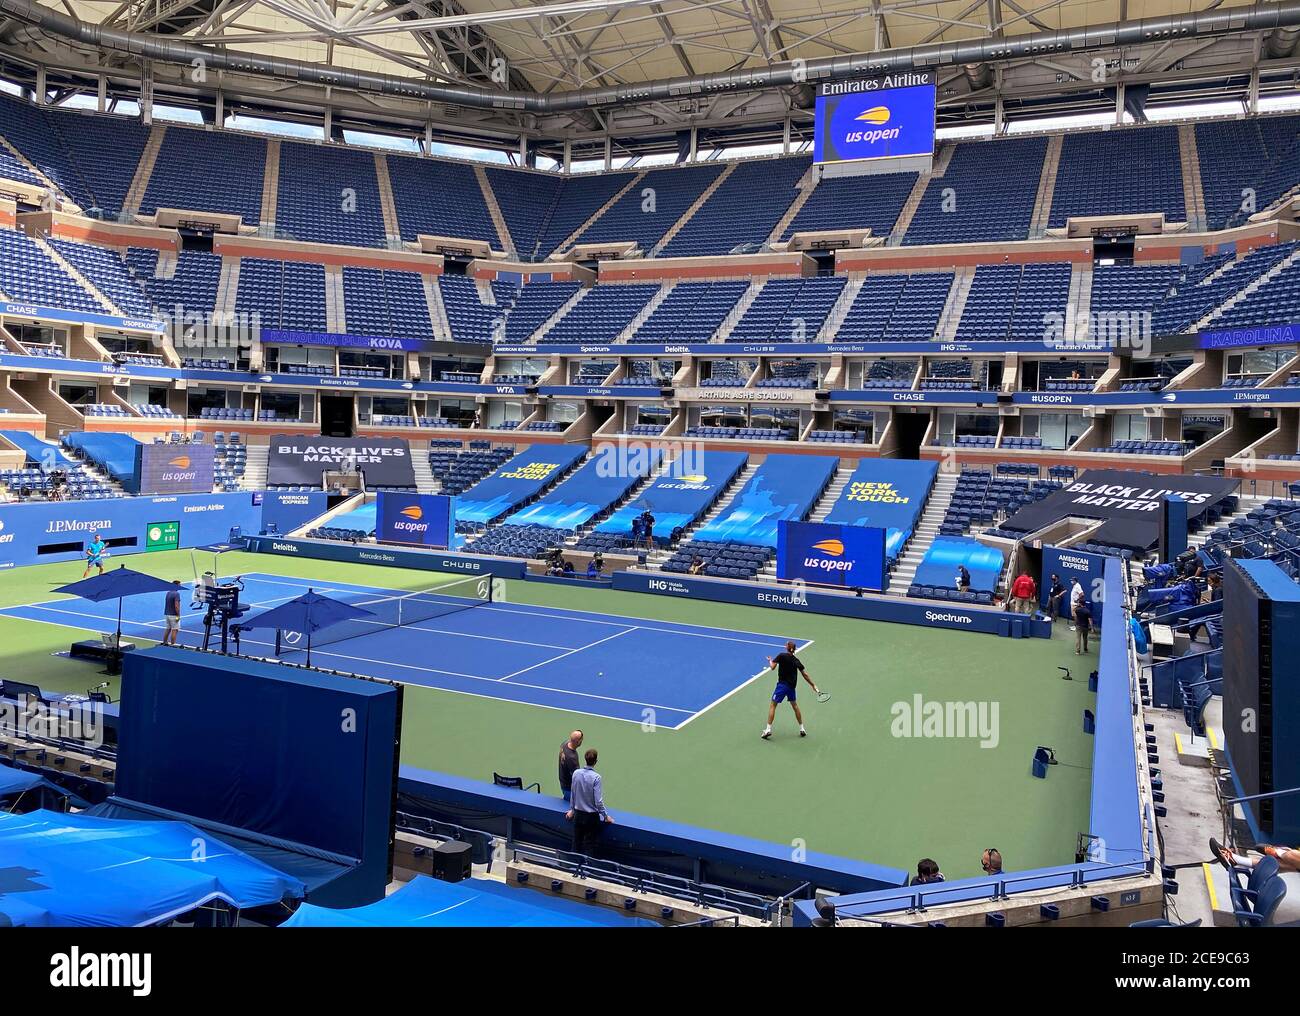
x=609, y=620
x=427, y=670
x=554, y=659
x=383, y=625
x=696, y=715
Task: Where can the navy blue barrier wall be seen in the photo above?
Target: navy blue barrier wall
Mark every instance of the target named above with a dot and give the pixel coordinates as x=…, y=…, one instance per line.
x=422, y=519
x=393, y=557
x=705, y=855
x=831, y=555
x=201, y=736
x=46, y=532
x=289, y=511
x=593, y=487
x=887, y=493
x=1116, y=815
x=516, y=481
x=784, y=487
x=1070, y=564
x=683, y=494
x=869, y=608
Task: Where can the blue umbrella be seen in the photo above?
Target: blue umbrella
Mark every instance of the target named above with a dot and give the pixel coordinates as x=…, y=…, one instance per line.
x=115, y=585
x=311, y=612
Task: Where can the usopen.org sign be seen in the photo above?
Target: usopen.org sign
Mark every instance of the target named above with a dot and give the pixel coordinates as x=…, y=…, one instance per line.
x=830, y=554
x=425, y=520
x=885, y=117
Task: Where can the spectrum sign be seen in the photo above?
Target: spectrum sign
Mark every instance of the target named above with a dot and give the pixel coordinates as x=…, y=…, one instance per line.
x=888, y=117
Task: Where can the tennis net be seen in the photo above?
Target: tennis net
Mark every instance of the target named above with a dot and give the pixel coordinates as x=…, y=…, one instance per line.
x=389, y=612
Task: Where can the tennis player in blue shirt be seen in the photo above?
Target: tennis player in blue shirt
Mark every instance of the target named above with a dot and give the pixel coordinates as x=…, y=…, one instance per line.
x=95, y=551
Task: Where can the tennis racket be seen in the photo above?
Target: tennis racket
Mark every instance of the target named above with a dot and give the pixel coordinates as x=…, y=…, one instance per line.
x=822, y=695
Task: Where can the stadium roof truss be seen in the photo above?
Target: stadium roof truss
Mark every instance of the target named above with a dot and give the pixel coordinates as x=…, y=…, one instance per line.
x=640, y=76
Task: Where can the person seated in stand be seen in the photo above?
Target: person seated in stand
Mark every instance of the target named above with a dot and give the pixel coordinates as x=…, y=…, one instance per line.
x=567, y=571
x=697, y=565
x=927, y=872
x=1288, y=858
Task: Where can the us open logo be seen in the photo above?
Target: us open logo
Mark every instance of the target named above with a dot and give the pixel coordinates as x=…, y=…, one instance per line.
x=180, y=471
x=5, y=537
x=410, y=521
x=877, y=116
x=828, y=557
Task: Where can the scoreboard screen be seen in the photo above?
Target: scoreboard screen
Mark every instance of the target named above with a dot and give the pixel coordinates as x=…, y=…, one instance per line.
x=888, y=117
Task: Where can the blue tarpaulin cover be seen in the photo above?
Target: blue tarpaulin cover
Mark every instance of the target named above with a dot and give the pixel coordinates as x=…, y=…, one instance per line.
x=80, y=871
x=475, y=903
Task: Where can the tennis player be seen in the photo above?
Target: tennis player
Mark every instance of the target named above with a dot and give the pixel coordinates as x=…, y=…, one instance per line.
x=95, y=554
x=788, y=668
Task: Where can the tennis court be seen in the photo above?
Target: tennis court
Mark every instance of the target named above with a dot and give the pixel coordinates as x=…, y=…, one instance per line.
x=455, y=638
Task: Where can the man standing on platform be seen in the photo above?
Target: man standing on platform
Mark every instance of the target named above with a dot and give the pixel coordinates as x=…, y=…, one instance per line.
x=569, y=762
x=588, y=812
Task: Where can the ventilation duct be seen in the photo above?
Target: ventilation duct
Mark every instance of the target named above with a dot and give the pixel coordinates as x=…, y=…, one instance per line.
x=1271, y=17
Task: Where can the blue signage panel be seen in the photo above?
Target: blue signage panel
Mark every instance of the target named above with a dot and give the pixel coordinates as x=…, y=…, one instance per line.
x=870, y=608
x=1264, y=335
x=1069, y=564
x=426, y=520
x=830, y=554
x=42, y=532
x=880, y=121
x=393, y=557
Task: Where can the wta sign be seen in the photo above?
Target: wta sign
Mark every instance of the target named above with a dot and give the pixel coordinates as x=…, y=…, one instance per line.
x=424, y=520
x=831, y=555
x=888, y=117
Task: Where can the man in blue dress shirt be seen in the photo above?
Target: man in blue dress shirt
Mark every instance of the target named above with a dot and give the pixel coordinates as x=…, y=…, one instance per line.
x=587, y=807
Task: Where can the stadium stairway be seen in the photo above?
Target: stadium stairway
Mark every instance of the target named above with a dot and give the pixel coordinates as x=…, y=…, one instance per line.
x=270, y=188
x=143, y=172
x=695, y=206
x=840, y=308
x=803, y=191
x=927, y=528
x=950, y=316
x=494, y=212
x=1245, y=505
x=81, y=280
x=1046, y=187
x=738, y=311
x=1245, y=291
x=558, y=316
x=631, y=496
x=832, y=493
x=820, y=510
x=913, y=202
x=425, y=481
x=255, y=469
x=661, y=555
x=587, y=223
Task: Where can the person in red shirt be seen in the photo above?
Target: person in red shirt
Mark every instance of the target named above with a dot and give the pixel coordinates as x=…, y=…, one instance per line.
x=1024, y=594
